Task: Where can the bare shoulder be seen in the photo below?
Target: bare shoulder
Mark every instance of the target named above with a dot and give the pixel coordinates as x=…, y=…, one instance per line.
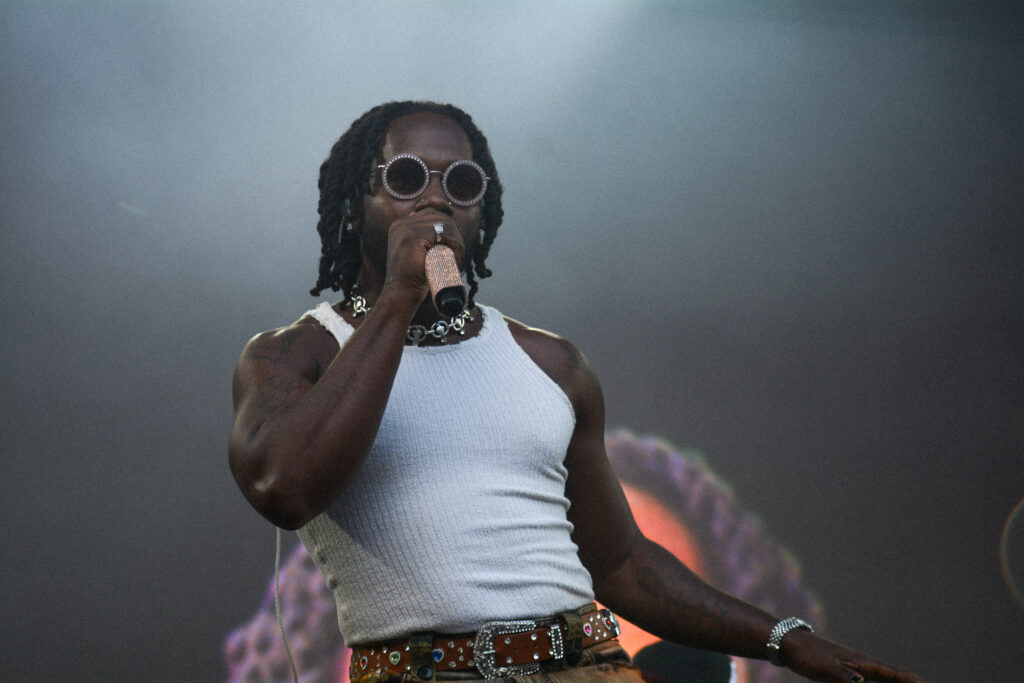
x=563, y=362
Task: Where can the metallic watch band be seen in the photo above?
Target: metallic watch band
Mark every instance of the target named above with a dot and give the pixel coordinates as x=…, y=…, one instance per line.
x=778, y=631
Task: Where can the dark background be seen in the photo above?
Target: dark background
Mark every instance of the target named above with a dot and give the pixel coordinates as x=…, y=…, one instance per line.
x=788, y=235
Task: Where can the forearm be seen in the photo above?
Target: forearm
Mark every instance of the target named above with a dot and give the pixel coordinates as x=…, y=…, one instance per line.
x=658, y=593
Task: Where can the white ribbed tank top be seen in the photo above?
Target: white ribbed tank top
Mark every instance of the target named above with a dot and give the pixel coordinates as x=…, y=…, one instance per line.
x=457, y=516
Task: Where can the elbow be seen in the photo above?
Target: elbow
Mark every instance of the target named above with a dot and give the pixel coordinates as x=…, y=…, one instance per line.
x=277, y=506
x=616, y=572
x=269, y=492
x=608, y=588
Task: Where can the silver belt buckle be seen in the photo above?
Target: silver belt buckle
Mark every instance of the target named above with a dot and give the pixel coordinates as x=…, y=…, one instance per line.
x=485, y=658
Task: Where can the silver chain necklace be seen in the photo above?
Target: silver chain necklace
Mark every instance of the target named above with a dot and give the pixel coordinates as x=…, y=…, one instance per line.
x=416, y=332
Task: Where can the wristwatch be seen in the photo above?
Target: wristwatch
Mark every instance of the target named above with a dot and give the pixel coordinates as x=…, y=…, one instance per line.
x=778, y=631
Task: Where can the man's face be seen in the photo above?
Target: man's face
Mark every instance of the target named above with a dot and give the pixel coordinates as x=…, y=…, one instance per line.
x=439, y=141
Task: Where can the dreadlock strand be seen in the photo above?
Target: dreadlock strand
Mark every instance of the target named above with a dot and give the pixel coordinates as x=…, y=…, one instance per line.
x=328, y=226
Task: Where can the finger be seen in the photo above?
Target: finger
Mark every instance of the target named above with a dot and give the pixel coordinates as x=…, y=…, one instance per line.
x=427, y=231
x=429, y=216
x=445, y=232
x=870, y=670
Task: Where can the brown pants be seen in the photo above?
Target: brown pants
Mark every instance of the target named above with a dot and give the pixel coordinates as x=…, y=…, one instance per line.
x=605, y=661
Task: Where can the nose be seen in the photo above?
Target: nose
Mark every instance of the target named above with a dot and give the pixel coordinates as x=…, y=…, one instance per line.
x=434, y=196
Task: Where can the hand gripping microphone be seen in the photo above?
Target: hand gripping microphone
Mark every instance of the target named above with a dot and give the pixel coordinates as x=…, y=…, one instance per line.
x=444, y=278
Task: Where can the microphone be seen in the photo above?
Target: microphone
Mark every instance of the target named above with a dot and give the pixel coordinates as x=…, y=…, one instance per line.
x=445, y=280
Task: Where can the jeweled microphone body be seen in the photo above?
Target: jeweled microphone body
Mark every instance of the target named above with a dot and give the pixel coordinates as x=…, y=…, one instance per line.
x=445, y=280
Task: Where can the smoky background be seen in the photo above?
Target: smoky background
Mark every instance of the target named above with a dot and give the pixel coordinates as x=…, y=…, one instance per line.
x=787, y=235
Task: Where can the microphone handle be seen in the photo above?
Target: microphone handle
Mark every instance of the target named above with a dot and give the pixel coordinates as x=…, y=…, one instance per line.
x=445, y=280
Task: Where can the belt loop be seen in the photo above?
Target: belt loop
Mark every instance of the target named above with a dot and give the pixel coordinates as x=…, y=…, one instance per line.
x=573, y=637
x=421, y=655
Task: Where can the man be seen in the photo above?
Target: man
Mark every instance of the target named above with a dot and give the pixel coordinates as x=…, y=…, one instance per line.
x=455, y=492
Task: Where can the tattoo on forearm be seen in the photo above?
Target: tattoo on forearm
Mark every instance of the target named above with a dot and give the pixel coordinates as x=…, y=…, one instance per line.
x=692, y=608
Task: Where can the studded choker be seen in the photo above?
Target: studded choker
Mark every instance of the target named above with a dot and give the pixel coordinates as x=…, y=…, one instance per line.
x=416, y=332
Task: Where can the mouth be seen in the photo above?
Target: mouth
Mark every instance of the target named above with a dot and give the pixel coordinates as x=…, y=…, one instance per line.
x=447, y=210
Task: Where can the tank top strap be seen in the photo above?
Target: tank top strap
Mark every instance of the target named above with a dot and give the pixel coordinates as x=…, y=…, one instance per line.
x=331, y=321
x=494, y=323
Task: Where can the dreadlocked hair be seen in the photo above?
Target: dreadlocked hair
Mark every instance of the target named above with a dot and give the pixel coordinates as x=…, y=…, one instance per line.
x=345, y=181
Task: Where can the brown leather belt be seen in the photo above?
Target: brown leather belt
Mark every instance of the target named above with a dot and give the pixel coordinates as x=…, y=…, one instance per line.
x=500, y=648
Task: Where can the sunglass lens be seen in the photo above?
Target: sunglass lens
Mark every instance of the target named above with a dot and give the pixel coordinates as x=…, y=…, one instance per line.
x=465, y=183
x=405, y=176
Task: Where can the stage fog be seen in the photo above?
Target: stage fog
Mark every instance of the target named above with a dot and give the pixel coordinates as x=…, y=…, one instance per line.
x=788, y=236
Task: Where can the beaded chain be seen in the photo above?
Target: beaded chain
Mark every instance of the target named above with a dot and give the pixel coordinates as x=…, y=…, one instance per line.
x=416, y=332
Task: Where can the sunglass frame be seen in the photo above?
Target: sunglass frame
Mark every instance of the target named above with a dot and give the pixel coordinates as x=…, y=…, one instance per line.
x=426, y=179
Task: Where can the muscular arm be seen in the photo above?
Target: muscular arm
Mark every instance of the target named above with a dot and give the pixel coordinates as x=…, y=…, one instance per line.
x=298, y=434
x=632, y=575
x=642, y=581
